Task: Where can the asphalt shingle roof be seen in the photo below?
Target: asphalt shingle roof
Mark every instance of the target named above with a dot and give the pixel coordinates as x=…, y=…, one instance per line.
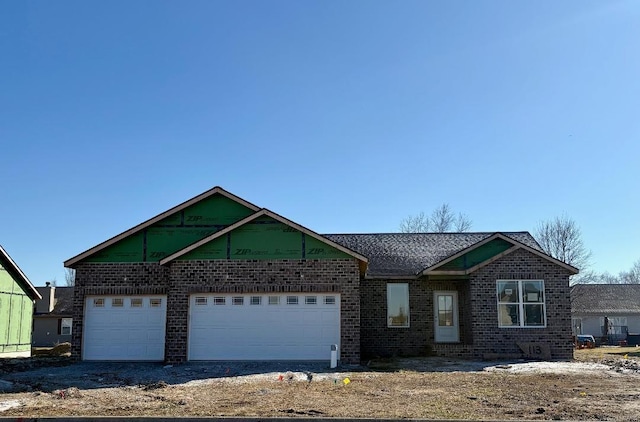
x=405, y=254
x=605, y=298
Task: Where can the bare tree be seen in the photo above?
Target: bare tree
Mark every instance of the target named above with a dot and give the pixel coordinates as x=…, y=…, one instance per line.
x=419, y=223
x=562, y=239
x=70, y=277
x=441, y=220
x=632, y=276
x=463, y=223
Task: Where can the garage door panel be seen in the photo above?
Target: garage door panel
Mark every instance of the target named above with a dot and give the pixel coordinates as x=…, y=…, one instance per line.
x=118, y=331
x=272, y=331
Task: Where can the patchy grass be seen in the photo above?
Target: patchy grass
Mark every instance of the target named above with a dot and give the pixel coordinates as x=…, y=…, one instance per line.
x=395, y=389
x=604, y=351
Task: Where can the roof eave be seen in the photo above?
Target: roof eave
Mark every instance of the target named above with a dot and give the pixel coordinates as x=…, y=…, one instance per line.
x=265, y=212
x=216, y=190
x=516, y=245
x=22, y=277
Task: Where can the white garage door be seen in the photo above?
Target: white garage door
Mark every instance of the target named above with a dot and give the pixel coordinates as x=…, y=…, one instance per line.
x=124, y=328
x=263, y=327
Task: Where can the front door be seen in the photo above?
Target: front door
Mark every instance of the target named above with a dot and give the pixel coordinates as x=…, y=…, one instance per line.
x=445, y=305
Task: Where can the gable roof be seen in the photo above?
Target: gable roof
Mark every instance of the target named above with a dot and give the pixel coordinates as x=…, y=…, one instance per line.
x=409, y=254
x=216, y=190
x=20, y=277
x=605, y=299
x=515, y=245
x=252, y=217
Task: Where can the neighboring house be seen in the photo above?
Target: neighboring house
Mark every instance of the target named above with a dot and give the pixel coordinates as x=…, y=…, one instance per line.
x=609, y=312
x=17, y=295
x=218, y=278
x=52, y=319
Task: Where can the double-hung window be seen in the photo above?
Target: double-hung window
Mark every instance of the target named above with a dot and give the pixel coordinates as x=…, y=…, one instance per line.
x=521, y=303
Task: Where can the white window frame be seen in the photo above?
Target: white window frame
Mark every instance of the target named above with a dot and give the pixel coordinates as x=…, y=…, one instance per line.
x=274, y=300
x=292, y=300
x=66, y=323
x=201, y=301
x=117, y=302
x=136, y=302
x=155, y=302
x=402, y=303
x=310, y=300
x=219, y=300
x=256, y=300
x=237, y=301
x=521, y=303
x=98, y=302
x=329, y=300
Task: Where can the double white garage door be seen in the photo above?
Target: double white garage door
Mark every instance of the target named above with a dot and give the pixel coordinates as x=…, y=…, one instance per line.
x=221, y=327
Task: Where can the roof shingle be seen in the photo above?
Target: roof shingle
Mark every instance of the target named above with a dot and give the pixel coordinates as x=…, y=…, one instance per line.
x=605, y=299
x=406, y=254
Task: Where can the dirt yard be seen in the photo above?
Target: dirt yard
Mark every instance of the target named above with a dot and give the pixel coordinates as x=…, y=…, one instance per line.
x=601, y=384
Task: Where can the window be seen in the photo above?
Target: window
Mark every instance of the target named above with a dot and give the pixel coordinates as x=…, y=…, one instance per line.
x=136, y=302
x=292, y=300
x=310, y=300
x=256, y=300
x=98, y=302
x=397, y=305
x=155, y=302
x=117, y=302
x=521, y=303
x=219, y=300
x=201, y=300
x=65, y=326
x=238, y=300
x=329, y=300
x=274, y=300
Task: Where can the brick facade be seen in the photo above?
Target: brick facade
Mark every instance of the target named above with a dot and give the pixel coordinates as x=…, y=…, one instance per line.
x=363, y=313
x=180, y=279
x=477, y=312
x=521, y=265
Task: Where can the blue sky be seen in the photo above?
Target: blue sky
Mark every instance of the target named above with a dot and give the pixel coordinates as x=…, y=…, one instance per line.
x=342, y=116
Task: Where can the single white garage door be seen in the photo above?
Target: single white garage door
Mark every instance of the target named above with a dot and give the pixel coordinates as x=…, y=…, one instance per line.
x=263, y=327
x=124, y=328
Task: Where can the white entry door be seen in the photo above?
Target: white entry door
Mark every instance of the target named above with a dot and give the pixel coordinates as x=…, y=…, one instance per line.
x=124, y=328
x=445, y=304
x=294, y=326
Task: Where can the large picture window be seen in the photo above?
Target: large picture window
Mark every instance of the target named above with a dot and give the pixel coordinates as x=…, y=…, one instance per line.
x=397, y=305
x=521, y=303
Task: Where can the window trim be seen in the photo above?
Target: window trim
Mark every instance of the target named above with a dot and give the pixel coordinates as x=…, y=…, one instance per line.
x=63, y=326
x=408, y=303
x=521, y=304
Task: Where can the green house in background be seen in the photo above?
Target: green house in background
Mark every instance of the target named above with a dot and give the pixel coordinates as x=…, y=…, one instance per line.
x=17, y=296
